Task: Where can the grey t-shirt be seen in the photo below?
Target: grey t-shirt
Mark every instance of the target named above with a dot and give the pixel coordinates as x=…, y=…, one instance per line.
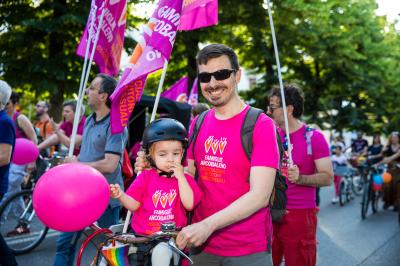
x=97, y=140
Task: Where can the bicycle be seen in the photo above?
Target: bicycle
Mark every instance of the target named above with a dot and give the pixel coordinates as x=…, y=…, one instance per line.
x=16, y=211
x=346, y=186
x=167, y=234
x=369, y=194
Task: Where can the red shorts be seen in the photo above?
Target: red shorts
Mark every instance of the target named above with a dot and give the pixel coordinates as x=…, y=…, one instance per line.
x=295, y=238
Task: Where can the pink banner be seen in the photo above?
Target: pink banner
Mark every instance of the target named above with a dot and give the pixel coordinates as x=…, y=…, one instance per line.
x=111, y=39
x=193, y=97
x=198, y=14
x=178, y=92
x=167, y=15
x=153, y=49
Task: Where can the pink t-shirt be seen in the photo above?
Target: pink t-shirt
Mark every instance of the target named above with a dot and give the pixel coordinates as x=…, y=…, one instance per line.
x=303, y=197
x=159, y=201
x=67, y=128
x=224, y=177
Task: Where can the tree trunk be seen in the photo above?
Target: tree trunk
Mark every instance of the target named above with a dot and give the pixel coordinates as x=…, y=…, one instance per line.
x=56, y=48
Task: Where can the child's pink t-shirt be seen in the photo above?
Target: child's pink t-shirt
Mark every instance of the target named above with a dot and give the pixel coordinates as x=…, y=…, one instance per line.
x=224, y=172
x=159, y=201
x=298, y=196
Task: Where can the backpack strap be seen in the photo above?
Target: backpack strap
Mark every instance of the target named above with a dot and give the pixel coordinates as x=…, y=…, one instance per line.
x=193, y=136
x=308, y=135
x=247, y=129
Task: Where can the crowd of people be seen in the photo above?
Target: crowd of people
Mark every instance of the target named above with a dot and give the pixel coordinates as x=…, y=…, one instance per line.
x=359, y=153
x=228, y=193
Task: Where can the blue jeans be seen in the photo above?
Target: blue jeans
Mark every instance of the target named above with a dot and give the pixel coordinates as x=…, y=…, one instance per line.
x=66, y=243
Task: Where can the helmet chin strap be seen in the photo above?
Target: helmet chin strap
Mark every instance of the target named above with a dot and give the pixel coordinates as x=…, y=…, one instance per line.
x=161, y=172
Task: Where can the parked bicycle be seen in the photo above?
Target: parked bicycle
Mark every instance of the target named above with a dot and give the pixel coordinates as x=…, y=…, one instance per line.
x=371, y=196
x=167, y=235
x=346, y=186
x=20, y=227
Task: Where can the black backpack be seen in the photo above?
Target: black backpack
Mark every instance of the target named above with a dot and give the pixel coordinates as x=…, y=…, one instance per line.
x=277, y=202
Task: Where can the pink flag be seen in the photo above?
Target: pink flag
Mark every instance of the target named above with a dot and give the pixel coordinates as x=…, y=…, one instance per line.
x=193, y=97
x=178, y=92
x=149, y=56
x=111, y=39
x=198, y=14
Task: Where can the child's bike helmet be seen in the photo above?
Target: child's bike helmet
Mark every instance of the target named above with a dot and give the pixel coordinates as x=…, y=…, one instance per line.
x=164, y=129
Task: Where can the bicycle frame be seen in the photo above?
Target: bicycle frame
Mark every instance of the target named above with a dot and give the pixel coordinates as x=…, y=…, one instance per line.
x=132, y=239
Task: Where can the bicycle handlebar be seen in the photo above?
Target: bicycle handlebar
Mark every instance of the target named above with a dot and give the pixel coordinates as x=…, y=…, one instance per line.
x=129, y=238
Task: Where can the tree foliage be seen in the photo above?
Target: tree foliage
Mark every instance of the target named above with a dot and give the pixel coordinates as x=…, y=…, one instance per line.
x=340, y=52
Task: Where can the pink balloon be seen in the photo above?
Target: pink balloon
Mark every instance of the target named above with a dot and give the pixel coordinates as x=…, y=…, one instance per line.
x=25, y=151
x=70, y=197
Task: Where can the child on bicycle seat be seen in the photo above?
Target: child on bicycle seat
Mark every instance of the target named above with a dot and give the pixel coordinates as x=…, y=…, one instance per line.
x=164, y=192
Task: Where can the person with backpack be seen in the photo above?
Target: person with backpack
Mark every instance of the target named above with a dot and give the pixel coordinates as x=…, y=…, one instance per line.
x=43, y=126
x=164, y=192
x=230, y=226
x=295, y=236
x=101, y=150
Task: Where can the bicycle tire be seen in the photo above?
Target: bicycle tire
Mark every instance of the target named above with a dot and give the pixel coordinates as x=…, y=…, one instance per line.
x=9, y=219
x=375, y=201
x=365, y=201
x=342, y=193
x=358, y=185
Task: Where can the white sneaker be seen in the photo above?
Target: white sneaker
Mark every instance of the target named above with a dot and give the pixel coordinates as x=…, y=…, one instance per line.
x=335, y=200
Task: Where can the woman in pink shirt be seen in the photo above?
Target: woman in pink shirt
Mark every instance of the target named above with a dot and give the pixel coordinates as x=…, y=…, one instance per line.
x=63, y=132
x=163, y=193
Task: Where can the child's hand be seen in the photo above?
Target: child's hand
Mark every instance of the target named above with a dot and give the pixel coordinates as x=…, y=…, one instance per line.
x=177, y=168
x=115, y=191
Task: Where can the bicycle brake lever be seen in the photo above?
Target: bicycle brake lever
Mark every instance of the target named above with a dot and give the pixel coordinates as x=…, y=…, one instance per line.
x=171, y=243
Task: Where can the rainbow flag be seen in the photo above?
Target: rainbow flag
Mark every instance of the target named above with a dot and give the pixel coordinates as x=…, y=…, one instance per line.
x=116, y=255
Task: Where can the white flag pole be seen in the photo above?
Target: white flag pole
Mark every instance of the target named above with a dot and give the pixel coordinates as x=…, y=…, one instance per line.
x=278, y=65
x=81, y=89
x=153, y=116
x=160, y=85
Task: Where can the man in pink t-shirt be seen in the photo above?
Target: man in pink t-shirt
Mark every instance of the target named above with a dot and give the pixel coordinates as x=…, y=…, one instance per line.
x=231, y=222
x=295, y=236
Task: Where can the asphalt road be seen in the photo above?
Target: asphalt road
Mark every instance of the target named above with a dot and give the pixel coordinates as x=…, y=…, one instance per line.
x=344, y=239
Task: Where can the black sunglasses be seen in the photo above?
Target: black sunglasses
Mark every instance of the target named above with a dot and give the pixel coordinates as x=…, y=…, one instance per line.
x=205, y=77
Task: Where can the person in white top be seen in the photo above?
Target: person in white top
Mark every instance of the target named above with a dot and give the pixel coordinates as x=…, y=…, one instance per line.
x=339, y=161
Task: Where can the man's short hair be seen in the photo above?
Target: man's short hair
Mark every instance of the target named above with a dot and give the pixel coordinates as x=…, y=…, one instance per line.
x=107, y=85
x=73, y=105
x=214, y=51
x=5, y=93
x=293, y=96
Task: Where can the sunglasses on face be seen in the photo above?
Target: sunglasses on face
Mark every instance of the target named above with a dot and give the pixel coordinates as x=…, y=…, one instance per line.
x=205, y=77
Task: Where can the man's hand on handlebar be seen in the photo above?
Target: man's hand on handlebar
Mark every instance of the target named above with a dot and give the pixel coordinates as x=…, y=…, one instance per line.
x=194, y=235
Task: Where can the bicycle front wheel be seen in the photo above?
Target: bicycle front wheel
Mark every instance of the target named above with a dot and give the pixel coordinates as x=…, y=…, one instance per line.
x=365, y=201
x=17, y=212
x=358, y=185
x=342, y=193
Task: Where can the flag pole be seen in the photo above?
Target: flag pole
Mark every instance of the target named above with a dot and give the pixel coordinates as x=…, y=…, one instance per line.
x=160, y=85
x=86, y=77
x=278, y=65
x=153, y=116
